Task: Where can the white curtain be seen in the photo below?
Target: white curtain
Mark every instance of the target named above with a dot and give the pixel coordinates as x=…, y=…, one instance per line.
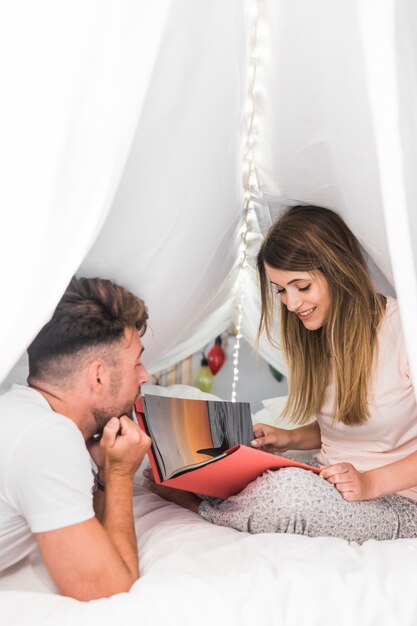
x=390, y=50
x=122, y=127
x=339, y=129
x=172, y=232
x=73, y=79
x=318, y=143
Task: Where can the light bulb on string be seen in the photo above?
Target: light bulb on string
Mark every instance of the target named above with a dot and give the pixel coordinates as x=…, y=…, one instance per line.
x=249, y=174
x=216, y=356
x=204, y=378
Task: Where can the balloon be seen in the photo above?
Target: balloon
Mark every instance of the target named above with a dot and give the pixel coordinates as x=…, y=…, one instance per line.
x=216, y=356
x=204, y=378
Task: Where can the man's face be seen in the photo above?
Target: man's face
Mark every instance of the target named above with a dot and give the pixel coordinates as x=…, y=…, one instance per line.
x=126, y=376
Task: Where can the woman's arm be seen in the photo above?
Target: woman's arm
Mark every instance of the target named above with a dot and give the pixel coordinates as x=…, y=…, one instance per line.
x=280, y=440
x=183, y=498
x=382, y=481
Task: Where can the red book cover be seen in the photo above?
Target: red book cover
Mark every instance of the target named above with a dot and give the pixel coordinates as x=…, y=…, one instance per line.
x=182, y=426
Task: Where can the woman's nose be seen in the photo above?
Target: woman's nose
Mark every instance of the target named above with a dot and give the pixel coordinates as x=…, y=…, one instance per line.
x=294, y=301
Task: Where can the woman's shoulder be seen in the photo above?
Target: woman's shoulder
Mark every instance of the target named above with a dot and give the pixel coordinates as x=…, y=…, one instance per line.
x=391, y=321
x=391, y=340
x=391, y=308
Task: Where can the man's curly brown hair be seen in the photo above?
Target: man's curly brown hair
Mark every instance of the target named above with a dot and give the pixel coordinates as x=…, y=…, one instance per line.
x=92, y=313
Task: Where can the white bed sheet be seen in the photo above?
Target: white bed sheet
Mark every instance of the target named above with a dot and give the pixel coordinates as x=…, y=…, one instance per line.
x=195, y=573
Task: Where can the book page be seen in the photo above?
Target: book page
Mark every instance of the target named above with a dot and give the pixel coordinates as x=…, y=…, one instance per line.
x=188, y=432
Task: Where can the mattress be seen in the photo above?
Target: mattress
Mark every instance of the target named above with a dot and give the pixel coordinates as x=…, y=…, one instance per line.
x=193, y=572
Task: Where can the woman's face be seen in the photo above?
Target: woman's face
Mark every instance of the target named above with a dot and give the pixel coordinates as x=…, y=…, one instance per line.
x=306, y=294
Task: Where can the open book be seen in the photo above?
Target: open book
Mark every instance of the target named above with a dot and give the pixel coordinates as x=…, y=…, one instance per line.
x=204, y=445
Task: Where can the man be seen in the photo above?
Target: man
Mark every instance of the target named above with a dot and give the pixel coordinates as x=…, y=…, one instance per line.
x=85, y=373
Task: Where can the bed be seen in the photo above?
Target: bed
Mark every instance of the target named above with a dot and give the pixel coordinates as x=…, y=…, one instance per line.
x=193, y=572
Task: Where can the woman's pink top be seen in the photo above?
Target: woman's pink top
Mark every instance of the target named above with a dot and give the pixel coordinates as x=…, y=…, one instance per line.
x=390, y=433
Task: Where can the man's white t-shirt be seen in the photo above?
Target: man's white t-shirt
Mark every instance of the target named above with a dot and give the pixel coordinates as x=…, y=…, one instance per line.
x=45, y=472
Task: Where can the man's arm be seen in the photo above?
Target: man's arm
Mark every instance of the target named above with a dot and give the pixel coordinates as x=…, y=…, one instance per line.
x=118, y=520
x=92, y=560
x=83, y=561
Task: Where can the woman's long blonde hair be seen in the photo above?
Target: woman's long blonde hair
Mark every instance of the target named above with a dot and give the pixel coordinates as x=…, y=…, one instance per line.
x=314, y=239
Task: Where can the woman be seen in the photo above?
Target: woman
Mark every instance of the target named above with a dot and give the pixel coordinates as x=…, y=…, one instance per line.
x=350, y=391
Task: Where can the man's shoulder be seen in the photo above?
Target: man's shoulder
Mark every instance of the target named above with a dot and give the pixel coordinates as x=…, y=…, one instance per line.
x=22, y=396
x=26, y=415
x=27, y=402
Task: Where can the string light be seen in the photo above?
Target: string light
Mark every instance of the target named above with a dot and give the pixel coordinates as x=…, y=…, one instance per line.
x=249, y=179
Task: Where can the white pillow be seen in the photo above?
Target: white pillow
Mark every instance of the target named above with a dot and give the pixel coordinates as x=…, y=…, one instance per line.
x=275, y=406
x=271, y=413
x=178, y=391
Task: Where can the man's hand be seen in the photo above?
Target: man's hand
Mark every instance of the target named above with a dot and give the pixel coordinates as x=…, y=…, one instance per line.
x=271, y=439
x=122, y=447
x=351, y=484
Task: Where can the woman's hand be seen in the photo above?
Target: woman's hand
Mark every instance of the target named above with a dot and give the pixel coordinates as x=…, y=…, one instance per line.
x=351, y=484
x=274, y=439
x=177, y=496
x=271, y=439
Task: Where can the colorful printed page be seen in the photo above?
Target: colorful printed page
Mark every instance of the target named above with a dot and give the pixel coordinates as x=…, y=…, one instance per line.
x=189, y=433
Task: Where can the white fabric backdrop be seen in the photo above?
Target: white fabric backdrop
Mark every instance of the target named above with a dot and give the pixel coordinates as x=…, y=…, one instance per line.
x=172, y=233
x=338, y=127
x=85, y=82
x=390, y=52
x=73, y=78
x=170, y=84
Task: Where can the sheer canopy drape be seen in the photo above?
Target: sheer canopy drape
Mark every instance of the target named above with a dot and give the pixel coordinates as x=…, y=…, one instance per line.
x=74, y=77
x=122, y=129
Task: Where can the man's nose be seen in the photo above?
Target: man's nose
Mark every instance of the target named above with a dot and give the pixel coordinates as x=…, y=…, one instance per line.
x=144, y=375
